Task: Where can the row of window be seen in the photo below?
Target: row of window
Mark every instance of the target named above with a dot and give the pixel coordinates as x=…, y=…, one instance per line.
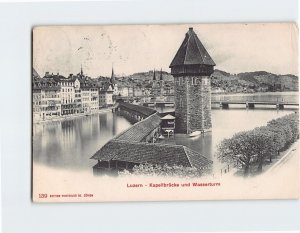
x=67, y=84
x=195, y=80
x=43, y=109
x=67, y=90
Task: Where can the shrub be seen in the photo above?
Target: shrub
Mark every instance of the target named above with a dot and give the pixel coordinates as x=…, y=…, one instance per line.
x=157, y=170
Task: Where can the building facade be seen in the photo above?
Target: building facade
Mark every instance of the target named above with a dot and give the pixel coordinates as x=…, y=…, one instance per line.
x=50, y=100
x=55, y=95
x=68, y=105
x=191, y=68
x=77, y=99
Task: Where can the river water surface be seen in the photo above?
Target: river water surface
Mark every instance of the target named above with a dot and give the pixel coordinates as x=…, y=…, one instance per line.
x=69, y=144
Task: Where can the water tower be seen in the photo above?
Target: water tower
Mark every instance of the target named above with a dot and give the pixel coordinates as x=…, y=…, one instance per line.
x=191, y=68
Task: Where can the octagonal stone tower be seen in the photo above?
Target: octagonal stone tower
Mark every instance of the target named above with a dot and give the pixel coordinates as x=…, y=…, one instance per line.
x=191, y=68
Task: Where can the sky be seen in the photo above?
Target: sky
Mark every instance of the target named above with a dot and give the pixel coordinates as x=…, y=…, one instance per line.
x=129, y=49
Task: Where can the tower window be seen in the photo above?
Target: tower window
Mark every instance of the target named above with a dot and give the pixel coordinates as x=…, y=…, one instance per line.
x=194, y=81
x=180, y=103
x=180, y=81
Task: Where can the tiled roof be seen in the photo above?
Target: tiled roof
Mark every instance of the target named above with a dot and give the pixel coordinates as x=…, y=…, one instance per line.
x=141, y=129
x=105, y=87
x=44, y=84
x=35, y=74
x=138, y=108
x=151, y=153
x=192, y=52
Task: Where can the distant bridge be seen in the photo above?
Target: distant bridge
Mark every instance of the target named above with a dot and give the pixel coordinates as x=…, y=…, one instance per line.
x=225, y=104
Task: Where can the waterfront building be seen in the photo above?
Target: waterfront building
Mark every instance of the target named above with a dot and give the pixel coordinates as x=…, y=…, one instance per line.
x=191, y=68
x=77, y=99
x=106, y=96
x=85, y=95
x=36, y=96
x=68, y=105
x=36, y=102
x=94, y=97
x=50, y=100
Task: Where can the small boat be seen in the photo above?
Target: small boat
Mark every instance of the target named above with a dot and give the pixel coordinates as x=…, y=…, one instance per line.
x=195, y=133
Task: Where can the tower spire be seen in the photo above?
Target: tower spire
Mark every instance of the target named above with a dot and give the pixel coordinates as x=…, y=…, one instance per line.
x=161, y=77
x=154, y=77
x=81, y=71
x=112, y=77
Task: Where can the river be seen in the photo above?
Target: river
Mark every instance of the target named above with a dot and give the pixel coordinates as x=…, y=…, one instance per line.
x=69, y=144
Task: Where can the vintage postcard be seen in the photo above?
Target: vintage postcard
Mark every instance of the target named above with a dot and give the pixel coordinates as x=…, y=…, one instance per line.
x=165, y=112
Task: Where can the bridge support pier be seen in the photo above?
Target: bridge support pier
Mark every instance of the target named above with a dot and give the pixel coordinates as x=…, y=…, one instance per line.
x=280, y=106
x=225, y=106
x=250, y=105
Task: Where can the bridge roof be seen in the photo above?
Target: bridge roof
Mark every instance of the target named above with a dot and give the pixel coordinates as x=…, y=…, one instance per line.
x=139, y=109
x=192, y=52
x=141, y=129
x=152, y=153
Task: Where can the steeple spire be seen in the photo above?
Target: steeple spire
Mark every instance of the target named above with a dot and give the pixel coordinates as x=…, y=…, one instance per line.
x=81, y=71
x=154, y=77
x=112, y=77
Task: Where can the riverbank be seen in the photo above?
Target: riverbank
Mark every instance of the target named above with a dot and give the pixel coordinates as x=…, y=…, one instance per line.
x=283, y=158
x=257, y=93
x=277, y=162
x=69, y=117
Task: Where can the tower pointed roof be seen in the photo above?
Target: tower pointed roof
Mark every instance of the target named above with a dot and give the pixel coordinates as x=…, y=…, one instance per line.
x=154, y=77
x=81, y=71
x=161, y=77
x=112, y=77
x=35, y=74
x=192, y=52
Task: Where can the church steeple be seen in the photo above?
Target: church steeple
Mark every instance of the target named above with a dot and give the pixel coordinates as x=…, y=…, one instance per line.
x=81, y=71
x=154, y=77
x=112, y=77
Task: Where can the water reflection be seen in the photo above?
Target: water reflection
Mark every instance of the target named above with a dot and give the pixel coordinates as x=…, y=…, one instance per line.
x=70, y=143
x=225, y=124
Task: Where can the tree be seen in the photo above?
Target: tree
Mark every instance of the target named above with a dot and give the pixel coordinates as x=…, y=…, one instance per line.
x=237, y=151
x=254, y=146
x=263, y=145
